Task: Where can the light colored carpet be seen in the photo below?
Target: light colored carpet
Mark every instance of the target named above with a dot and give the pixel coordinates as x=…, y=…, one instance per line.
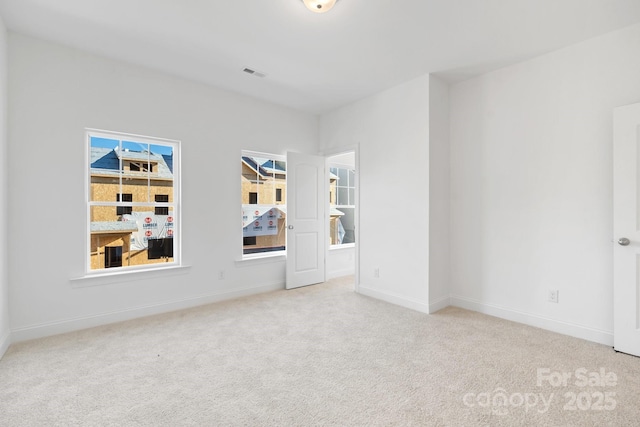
x=320, y=355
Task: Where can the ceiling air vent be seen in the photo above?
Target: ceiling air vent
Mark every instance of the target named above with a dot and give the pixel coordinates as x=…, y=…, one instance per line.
x=254, y=72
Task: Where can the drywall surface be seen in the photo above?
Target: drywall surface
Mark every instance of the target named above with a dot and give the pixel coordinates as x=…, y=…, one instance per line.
x=439, y=198
x=391, y=130
x=531, y=185
x=5, y=329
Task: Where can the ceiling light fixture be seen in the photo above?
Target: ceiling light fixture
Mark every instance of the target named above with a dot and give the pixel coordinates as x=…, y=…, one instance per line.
x=319, y=6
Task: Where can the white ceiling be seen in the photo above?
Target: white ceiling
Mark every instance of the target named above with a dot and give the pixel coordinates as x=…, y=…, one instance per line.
x=317, y=62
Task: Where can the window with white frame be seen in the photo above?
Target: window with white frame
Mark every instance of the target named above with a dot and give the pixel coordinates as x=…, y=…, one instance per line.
x=264, y=209
x=133, y=201
x=342, y=203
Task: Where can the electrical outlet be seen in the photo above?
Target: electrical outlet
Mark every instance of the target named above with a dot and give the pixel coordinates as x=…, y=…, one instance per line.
x=553, y=295
x=221, y=275
x=376, y=272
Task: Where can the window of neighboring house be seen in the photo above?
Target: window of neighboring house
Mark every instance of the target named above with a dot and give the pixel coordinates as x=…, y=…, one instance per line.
x=342, y=203
x=263, y=185
x=142, y=175
x=162, y=210
x=160, y=248
x=141, y=167
x=112, y=256
x=122, y=210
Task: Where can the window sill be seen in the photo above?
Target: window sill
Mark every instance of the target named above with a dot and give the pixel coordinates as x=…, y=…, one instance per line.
x=264, y=258
x=100, y=279
x=345, y=246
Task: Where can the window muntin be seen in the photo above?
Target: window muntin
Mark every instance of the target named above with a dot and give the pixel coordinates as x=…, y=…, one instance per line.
x=141, y=175
x=342, y=205
x=263, y=187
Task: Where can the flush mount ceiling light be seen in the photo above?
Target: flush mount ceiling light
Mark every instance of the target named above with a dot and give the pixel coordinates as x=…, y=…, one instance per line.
x=319, y=6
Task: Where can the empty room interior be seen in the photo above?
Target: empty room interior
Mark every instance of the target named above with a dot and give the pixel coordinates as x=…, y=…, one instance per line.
x=203, y=212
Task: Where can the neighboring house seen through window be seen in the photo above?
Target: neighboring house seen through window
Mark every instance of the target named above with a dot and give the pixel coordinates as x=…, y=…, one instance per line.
x=133, y=217
x=124, y=210
x=264, y=211
x=162, y=210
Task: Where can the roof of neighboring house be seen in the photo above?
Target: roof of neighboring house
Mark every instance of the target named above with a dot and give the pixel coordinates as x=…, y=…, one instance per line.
x=106, y=161
x=113, y=226
x=274, y=166
x=253, y=164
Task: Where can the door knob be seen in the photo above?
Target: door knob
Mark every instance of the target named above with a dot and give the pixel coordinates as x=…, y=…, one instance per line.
x=291, y=228
x=623, y=241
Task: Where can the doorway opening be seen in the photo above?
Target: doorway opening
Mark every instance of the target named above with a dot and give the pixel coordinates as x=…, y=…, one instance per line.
x=342, y=183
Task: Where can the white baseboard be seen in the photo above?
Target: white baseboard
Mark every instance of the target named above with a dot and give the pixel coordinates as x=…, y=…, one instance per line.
x=396, y=299
x=439, y=304
x=340, y=273
x=566, y=328
x=5, y=342
x=69, y=325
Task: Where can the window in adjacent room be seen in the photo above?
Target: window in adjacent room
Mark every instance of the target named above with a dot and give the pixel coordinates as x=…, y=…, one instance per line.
x=139, y=177
x=263, y=186
x=342, y=189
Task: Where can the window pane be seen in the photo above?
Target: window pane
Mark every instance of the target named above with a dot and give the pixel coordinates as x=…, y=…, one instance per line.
x=165, y=167
x=342, y=226
x=343, y=196
x=162, y=210
x=113, y=256
x=125, y=173
x=123, y=210
x=267, y=195
x=263, y=210
x=348, y=223
x=159, y=248
x=263, y=228
x=104, y=169
x=341, y=222
x=343, y=174
x=132, y=232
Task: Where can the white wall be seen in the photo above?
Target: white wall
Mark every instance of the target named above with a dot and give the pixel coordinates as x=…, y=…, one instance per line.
x=531, y=185
x=4, y=275
x=392, y=132
x=340, y=262
x=439, y=213
x=55, y=92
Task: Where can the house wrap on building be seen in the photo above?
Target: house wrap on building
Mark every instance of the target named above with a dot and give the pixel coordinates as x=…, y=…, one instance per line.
x=130, y=234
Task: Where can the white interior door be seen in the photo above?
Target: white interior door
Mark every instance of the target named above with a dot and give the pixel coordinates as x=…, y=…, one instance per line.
x=626, y=225
x=305, y=220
